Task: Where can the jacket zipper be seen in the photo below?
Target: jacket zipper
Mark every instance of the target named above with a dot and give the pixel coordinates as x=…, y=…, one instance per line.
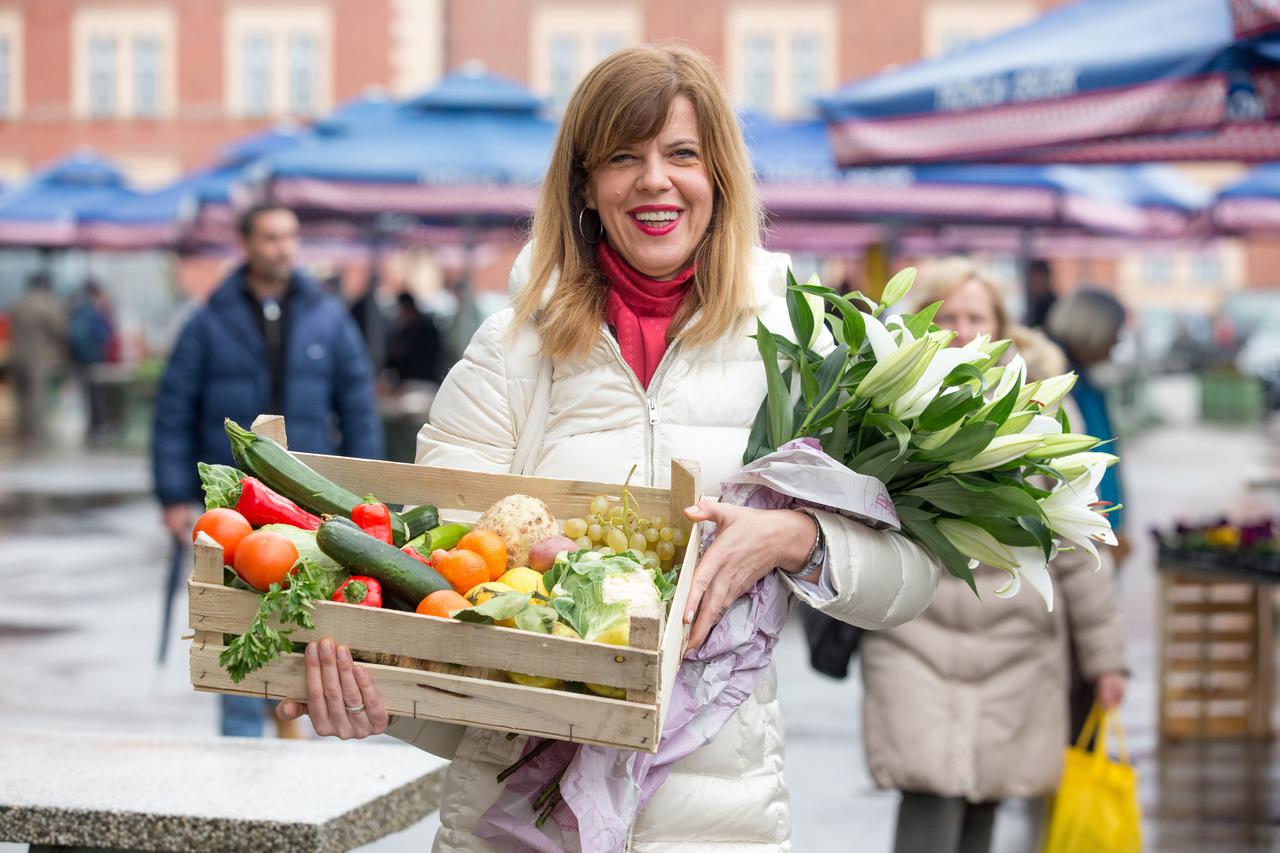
x=649, y=397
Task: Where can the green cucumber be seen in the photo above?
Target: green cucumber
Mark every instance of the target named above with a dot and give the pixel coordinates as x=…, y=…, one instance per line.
x=445, y=536
x=282, y=471
x=420, y=519
x=403, y=577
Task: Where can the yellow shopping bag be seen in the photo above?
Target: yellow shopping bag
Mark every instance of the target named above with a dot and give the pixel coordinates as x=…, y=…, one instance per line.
x=1096, y=807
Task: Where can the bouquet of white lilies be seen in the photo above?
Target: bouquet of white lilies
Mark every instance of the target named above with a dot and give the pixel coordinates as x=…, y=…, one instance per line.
x=981, y=465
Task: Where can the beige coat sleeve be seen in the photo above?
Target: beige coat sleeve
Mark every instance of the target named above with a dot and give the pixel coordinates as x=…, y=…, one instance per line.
x=881, y=578
x=1093, y=612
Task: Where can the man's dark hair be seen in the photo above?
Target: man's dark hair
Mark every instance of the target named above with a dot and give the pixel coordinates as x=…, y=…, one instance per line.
x=250, y=216
x=40, y=280
x=1038, y=266
x=406, y=300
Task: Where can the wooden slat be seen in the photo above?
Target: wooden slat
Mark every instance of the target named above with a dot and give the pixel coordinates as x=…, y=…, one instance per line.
x=473, y=491
x=1206, y=694
x=432, y=696
x=272, y=427
x=220, y=609
x=1196, y=665
x=1200, y=727
x=1210, y=636
x=207, y=570
x=1213, y=607
x=644, y=631
x=676, y=635
x=686, y=478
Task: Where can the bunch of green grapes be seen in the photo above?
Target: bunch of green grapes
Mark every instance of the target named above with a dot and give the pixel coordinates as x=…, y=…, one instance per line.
x=612, y=528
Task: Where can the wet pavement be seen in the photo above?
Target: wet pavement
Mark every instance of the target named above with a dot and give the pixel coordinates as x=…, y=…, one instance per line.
x=83, y=560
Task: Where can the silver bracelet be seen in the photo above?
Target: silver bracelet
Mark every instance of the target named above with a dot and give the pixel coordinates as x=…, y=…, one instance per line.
x=818, y=553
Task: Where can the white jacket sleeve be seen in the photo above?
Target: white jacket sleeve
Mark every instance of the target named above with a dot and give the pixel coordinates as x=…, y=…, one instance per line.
x=471, y=425
x=880, y=578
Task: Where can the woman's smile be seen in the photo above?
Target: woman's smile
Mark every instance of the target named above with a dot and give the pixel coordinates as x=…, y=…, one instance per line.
x=656, y=220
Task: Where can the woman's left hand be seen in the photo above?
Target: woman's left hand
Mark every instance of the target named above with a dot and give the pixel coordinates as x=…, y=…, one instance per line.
x=749, y=543
x=1110, y=689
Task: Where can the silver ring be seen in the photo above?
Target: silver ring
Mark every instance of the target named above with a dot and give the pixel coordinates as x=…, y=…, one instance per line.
x=355, y=709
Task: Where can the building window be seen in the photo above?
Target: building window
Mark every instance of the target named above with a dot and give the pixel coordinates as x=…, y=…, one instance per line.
x=5, y=76
x=758, y=72
x=102, y=76
x=607, y=44
x=257, y=75
x=303, y=55
x=806, y=70
x=1157, y=269
x=564, y=69
x=1206, y=269
x=146, y=76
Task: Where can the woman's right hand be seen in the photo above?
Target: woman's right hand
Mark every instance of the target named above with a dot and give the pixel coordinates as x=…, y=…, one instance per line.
x=335, y=686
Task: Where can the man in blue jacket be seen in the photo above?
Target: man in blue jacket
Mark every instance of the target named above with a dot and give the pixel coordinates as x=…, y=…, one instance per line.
x=269, y=341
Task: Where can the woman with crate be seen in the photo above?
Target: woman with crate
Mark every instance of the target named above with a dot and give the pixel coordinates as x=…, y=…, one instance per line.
x=640, y=289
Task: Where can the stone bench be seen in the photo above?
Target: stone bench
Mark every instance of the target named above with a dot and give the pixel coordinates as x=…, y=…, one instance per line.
x=132, y=792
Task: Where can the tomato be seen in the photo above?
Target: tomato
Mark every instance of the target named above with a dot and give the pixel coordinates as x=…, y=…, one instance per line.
x=263, y=558
x=226, y=527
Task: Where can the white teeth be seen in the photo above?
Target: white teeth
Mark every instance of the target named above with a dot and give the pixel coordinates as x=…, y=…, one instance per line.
x=657, y=215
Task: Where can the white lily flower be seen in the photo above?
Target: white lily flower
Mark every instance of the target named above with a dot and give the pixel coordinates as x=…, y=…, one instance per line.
x=882, y=343
x=1002, y=449
x=977, y=544
x=1035, y=568
x=1075, y=464
x=915, y=401
x=1043, y=425
x=1069, y=510
x=1014, y=371
x=904, y=334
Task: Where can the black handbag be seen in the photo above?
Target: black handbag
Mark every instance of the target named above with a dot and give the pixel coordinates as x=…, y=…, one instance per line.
x=832, y=643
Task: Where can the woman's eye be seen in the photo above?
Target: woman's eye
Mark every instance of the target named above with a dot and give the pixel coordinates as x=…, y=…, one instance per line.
x=620, y=158
x=685, y=152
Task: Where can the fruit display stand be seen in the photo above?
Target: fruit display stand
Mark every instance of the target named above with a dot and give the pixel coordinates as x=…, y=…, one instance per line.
x=1216, y=655
x=442, y=669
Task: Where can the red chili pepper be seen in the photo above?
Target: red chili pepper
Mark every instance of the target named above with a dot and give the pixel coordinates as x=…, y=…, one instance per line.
x=373, y=518
x=260, y=505
x=359, y=589
x=413, y=552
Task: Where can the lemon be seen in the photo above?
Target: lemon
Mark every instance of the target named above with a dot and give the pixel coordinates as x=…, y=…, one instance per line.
x=607, y=691
x=558, y=630
x=615, y=636
x=524, y=579
x=482, y=592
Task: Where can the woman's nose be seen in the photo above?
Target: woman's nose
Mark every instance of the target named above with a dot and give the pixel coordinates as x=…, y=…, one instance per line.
x=654, y=178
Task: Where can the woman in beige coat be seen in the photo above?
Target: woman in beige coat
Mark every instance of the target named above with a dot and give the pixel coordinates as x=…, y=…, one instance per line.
x=648, y=208
x=967, y=704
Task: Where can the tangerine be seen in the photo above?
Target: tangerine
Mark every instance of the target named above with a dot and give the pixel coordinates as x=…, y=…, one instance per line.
x=442, y=602
x=490, y=546
x=462, y=569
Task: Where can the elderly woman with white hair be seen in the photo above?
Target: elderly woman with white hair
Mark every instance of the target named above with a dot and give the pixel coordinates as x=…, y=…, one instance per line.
x=966, y=705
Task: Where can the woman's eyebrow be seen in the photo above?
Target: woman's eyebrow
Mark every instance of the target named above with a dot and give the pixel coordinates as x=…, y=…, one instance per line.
x=678, y=142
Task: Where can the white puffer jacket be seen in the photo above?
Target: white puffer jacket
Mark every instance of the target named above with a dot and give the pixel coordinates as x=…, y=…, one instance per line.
x=730, y=795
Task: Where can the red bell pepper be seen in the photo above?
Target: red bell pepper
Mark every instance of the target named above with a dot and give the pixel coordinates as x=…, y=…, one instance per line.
x=257, y=502
x=373, y=518
x=359, y=589
x=413, y=552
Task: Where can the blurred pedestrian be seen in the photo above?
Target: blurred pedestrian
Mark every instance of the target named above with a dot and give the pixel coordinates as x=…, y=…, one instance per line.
x=415, y=351
x=966, y=705
x=37, y=353
x=1040, y=292
x=1087, y=324
x=371, y=322
x=91, y=341
x=269, y=340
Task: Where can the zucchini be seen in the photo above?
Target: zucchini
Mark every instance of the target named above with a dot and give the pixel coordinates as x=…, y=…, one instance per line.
x=282, y=471
x=445, y=536
x=420, y=519
x=406, y=579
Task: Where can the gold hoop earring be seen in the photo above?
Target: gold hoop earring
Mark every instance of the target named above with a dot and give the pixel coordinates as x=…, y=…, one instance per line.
x=583, y=233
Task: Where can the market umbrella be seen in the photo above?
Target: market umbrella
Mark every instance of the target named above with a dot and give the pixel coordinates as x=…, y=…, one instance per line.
x=1252, y=204
x=1117, y=80
x=800, y=182
x=45, y=210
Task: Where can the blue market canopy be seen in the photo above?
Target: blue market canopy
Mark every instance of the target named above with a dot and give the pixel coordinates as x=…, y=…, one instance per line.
x=799, y=180
x=1097, y=80
x=473, y=146
x=45, y=210
x=1252, y=204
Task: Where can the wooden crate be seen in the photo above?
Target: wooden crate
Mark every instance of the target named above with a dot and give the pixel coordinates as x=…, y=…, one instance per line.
x=450, y=670
x=1216, y=657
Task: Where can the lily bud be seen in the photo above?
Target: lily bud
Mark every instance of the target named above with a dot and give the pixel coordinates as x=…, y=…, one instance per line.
x=1063, y=444
x=1002, y=449
x=978, y=544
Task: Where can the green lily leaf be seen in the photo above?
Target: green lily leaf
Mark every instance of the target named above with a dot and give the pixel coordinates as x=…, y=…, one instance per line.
x=928, y=534
x=758, y=439
x=893, y=427
x=967, y=443
x=919, y=323
x=945, y=409
x=855, y=328
x=1006, y=530
x=801, y=314
x=1063, y=419
x=1000, y=411
x=779, y=394
x=965, y=496
x=836, y=442
x=963, y=374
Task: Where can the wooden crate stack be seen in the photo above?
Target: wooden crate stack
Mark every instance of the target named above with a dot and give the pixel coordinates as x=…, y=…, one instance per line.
x=1216, y=657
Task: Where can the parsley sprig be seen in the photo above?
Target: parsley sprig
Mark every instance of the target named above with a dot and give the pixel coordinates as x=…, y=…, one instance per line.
x=292, y=605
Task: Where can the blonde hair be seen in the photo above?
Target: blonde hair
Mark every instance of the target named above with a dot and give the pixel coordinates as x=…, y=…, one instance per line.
x=939, y=279
x=624, y=100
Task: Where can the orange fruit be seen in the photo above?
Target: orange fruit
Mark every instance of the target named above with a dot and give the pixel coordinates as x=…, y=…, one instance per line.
x=489, y=545
x=462, y=569
x=441, y=603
